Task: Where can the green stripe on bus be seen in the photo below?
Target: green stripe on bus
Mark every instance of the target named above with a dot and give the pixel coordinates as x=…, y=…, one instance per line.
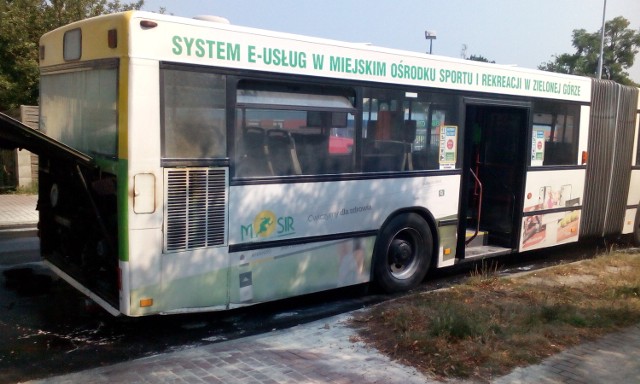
x=123, y=209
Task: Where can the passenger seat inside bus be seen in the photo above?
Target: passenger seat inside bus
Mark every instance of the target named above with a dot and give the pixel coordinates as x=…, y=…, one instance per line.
x=254, y=159
x=312, y=151
x=409, y=137
x=384, y=154
x=282, y=153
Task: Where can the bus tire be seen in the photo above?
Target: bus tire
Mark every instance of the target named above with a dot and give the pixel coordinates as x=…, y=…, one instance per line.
x=402, y=253
x=636, y=228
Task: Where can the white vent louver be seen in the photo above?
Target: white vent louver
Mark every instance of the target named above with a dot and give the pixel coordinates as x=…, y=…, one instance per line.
x=195, y=208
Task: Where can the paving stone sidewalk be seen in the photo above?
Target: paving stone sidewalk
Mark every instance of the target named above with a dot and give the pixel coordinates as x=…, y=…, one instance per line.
x=328, y=351
x=18, y=211
x=615, y=358
x=324, y=351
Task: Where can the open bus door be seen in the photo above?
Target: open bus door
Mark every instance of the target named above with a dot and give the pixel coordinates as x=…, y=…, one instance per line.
x=493, y=178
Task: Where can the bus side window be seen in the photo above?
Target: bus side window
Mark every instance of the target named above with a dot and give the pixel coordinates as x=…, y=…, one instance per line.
x=387, y=147
x=305, y=133
x=555, y=129
x=194, y=119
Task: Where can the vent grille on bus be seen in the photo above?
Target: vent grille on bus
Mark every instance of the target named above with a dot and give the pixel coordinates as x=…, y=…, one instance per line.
x=195, y=208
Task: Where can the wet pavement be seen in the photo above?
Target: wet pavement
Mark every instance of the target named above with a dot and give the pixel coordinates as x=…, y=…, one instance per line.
x=47, y=329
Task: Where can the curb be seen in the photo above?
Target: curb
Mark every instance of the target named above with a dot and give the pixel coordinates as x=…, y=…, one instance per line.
x=18, y=230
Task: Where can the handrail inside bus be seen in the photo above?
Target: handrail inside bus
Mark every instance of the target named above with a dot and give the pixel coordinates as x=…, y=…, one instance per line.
x=479, y=185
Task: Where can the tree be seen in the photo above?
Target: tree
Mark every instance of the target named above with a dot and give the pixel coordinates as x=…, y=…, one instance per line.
x=621, y=44
x=480, y=58
x=21, y=25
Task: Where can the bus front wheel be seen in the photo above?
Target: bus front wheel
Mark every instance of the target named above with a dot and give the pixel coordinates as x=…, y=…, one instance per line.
x=402, y=253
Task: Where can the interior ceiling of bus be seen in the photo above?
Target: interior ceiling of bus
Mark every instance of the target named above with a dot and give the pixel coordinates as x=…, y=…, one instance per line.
x=15, y=135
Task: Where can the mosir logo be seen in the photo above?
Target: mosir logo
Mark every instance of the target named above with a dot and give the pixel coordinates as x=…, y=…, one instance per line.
x=267, y=224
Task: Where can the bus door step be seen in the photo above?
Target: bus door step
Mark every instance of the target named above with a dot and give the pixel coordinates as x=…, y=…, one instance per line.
x=484, y=251
x=479, y=240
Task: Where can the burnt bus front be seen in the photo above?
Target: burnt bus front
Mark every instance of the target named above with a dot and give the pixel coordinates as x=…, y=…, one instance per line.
x=78, y=200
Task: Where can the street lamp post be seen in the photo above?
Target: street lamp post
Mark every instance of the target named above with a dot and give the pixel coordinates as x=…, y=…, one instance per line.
x=601, y=59
x=430, y=35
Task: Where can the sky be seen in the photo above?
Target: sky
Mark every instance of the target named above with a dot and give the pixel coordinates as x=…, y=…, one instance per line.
x=513, y=32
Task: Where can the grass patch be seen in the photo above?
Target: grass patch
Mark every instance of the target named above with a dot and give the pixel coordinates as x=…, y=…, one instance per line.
x=489, y=325
x=31, y=189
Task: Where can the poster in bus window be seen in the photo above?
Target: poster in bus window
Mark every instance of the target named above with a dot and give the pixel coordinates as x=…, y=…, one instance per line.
x=537, y=147
x=448, y=146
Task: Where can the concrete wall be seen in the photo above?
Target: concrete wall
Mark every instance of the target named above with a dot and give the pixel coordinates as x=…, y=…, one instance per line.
x=27, y=164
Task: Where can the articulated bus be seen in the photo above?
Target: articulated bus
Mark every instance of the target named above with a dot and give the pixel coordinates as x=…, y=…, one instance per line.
x=193, y=165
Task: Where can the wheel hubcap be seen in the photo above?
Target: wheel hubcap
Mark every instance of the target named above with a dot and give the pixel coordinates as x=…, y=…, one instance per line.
x=402, y=255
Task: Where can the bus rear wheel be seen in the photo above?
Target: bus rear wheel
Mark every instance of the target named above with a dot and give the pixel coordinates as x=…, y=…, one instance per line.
x=402, y=253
